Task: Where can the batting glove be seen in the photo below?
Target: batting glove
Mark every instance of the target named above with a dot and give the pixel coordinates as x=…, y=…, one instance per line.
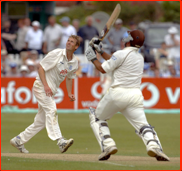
x=90, y=53
x=94, y=40
x=95, y=43
x=98, y=48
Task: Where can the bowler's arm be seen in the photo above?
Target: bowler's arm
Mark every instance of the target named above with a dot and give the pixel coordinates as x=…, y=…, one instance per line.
x=69, y=88
x=47, y=89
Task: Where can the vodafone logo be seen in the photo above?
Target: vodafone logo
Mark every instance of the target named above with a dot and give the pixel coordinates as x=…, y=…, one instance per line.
x=155, y=94
x=94, y=90
x=23, y=95
x=152, y=93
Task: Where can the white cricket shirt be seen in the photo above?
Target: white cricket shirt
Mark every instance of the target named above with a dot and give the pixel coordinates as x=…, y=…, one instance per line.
x=34, y=39
x=173, y=52
x=126, y=72
x=51, y=35
x=57, y=67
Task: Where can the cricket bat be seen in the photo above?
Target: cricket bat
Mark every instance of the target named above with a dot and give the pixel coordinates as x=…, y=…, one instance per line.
x=110, y=23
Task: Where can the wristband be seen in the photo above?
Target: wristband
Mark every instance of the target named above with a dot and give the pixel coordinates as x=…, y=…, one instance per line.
x=93, y=60
x=101, y=52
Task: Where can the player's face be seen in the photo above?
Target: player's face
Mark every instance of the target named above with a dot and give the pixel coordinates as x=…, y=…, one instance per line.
x=71, y=44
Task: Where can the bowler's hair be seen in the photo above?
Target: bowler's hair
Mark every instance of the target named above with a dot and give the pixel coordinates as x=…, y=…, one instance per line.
x=76, y=38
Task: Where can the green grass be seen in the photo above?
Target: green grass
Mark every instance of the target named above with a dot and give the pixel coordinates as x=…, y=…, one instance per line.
x=77, y=126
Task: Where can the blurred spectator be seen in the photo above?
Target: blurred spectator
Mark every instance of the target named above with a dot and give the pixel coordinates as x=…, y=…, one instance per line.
x=24, y=55
x=67, y=30
x=27, y=22
x=84, y=71
x=88, y=32
x=32, y=69
x=3, y=46
x=21, y=33
x=115, y=35
x=33, y=56
x=13, y=72
x=146, y=69
x=157, y=73
x=150, y=70
x=132, y=26
x=172, y=40
x=79, y=70
x=161, y=57
x=24, y=71
x=8, y=36
x=76, y=25
x=170, y=72
x=5, y=62
x=52, y=35
x=3, y=72
x=34, y=37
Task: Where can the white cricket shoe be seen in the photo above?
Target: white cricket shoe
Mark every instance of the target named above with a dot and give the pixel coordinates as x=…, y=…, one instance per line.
x=16, y=143
x=158, y=154
x=107, y=153
x=64, y=144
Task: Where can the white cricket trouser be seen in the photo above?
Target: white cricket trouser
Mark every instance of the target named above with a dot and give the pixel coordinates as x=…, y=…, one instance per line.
x=46, y=116
x=128, y=101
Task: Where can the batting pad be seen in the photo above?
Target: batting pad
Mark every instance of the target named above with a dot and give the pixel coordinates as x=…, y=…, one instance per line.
x=150, y=138
x=101, y=131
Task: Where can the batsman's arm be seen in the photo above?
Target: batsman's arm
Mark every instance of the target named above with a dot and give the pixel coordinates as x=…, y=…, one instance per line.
x=106, y=56
x=98, y=65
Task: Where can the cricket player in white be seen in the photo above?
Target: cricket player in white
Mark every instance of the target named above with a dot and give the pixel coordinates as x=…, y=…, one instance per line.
x=123, y=96
x=54, y=68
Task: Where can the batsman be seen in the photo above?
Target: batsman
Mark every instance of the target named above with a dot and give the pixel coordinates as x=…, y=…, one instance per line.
x=124, y=95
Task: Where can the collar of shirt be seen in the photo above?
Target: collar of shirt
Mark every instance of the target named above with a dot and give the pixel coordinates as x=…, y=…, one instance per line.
x=131, y=48
x=73, y=59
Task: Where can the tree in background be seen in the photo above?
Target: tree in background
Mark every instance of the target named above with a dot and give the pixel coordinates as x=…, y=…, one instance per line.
x=171, y=11
x=137, y=11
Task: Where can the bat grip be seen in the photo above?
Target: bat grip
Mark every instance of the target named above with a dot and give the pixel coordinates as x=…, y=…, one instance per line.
x=96, y=42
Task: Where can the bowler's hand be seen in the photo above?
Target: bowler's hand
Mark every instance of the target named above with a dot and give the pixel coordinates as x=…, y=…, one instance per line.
x=72, y=97
x=48, y=91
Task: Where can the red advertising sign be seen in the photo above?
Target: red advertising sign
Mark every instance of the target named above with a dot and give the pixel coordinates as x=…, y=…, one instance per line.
x=18, y=92
x=159, y=93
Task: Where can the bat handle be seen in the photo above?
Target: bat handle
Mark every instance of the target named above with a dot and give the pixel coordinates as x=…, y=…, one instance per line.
x=97, y=41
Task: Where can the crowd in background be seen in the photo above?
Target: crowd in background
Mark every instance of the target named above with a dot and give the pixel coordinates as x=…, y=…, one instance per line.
x=29, y=41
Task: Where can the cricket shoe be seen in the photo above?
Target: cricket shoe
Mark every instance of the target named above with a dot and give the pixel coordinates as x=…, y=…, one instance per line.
x=64, y=144
x=16, y=143
x=158, y=154
x=107, y=153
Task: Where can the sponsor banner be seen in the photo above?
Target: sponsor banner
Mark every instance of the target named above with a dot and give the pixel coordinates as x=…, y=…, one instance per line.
x=158, y=93
x=89, y=92
x=161, y=93
x=18, y=92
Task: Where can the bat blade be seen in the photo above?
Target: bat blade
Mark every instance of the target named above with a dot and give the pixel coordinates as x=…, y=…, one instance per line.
x=110, y=22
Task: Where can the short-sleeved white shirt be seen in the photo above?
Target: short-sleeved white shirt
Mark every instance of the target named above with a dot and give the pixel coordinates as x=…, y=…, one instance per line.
x=126, y=72
x=173, y=52
x=66, y=32
x=57, y=67
x=34, y=39
x=52, y=34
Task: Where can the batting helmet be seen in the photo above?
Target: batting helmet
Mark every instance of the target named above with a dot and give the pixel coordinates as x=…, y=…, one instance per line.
x=135, y=37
